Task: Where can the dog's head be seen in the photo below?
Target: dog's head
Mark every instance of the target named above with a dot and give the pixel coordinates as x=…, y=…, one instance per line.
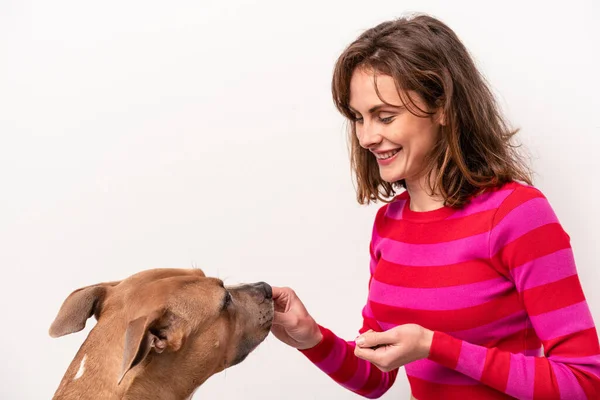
x=178, y=318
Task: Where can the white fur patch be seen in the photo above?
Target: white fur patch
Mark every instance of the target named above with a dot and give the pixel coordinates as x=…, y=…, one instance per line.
x=81, y=369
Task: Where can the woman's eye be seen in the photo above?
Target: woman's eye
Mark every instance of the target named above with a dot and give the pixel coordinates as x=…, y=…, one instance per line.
x=386, y=120
x=358, y=120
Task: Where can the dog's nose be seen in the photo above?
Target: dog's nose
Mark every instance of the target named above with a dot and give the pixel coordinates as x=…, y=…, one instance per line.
x=267, y=289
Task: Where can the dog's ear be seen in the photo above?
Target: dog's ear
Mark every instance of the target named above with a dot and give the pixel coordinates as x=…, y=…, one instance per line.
x=156, y=331
x=78, y=307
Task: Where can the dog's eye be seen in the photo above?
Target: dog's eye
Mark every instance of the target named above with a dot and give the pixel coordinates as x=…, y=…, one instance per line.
x=227, y=300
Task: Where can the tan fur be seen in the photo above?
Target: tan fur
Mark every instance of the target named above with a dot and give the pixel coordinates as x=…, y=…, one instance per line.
x=160, y=334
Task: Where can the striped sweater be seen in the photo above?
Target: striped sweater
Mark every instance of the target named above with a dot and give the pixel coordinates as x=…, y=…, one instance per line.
x=497, y=284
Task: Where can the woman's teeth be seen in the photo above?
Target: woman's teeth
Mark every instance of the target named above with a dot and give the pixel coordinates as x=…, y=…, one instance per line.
x=386, y=155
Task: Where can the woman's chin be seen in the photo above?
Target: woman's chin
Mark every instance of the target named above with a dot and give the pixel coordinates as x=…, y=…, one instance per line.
x=390, y=177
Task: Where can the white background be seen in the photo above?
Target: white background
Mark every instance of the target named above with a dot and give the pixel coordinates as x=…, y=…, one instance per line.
x=147, y=134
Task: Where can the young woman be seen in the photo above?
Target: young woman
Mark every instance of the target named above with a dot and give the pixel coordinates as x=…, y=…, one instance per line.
x=473, y=285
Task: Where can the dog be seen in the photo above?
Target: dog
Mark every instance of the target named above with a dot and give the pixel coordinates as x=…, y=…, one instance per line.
x=160, y=334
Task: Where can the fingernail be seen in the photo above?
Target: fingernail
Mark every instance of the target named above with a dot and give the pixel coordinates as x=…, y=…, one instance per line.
x=360, y=341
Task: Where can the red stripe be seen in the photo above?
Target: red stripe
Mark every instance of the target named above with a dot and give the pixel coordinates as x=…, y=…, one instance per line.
x=553, y=296
x=578, y=344
x=517, y=198
x=422, y=389
x=434, y=277
x=518, y=342
x=348, y=368
x=538, y=242
x=445, y=349
x=369, y=323
x=496, y=368
x=450, y=320
x=544, y=380
x=372, y=382
x=588, y=382
x=321, y=351
x=371, y=252
x=436, y=231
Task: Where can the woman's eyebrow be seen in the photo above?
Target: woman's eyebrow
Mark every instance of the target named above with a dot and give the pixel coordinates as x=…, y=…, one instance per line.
x=376, y=108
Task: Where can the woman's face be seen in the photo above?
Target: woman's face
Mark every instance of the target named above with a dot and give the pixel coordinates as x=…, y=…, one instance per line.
x=397, y=139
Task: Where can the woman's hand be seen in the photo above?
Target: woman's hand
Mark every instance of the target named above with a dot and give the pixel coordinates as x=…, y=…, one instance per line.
x=394, y=348
x=292, y=324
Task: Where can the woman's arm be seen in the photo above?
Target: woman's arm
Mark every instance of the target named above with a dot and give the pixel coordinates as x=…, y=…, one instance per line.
x=333, y=355
x=529, y=246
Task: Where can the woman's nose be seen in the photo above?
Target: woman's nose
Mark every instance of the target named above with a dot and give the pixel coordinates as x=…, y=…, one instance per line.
x=368, y=135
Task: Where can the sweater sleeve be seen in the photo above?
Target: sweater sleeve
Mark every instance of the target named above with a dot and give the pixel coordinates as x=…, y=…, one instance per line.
x=529, y=246
x=335, y=357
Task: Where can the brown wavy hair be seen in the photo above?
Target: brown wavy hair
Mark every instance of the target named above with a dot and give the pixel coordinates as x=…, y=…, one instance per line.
x=422, y=54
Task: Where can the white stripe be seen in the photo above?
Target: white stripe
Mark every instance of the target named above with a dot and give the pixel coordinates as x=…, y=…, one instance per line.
x=81, y=370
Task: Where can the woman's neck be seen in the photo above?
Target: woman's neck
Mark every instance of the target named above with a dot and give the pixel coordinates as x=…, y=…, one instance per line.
x=421, y=198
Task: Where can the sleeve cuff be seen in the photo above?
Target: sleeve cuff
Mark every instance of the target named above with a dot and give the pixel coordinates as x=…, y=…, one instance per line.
x=323, y=348
x=445, y=349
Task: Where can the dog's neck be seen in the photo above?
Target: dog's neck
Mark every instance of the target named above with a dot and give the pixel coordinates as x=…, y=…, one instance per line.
x=95, y=371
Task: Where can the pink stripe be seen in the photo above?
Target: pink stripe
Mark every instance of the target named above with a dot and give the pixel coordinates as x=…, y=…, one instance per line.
x=543, y=270
x=484, y=334
x=386, y=326
x=593, y=370
x=521, y=377
x=526, y=217
x=589, y=365
x=576, y=361
x=592, y=363
x=471, y=360
x=568, y=386
x=394, y=209
x=453, y=252
x=447, y=298
x=372, y=265
x=360, y=377
x=498, y=329
x=484, y=202
x=534, y=352
x=334, y=360
x=433, y=372
x=564, y=321
x=367, y=312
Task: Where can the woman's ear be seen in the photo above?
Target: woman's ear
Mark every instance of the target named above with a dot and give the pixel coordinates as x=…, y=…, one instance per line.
x=441, y=117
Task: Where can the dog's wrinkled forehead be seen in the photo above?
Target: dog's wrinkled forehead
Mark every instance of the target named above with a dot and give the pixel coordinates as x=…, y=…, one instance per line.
x=159, y=285
x=162, y=273
x=154, y=275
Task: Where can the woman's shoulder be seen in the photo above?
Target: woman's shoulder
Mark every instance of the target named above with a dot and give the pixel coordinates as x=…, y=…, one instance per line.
x=521, y=187
x=520, y=204
x=512, y=192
